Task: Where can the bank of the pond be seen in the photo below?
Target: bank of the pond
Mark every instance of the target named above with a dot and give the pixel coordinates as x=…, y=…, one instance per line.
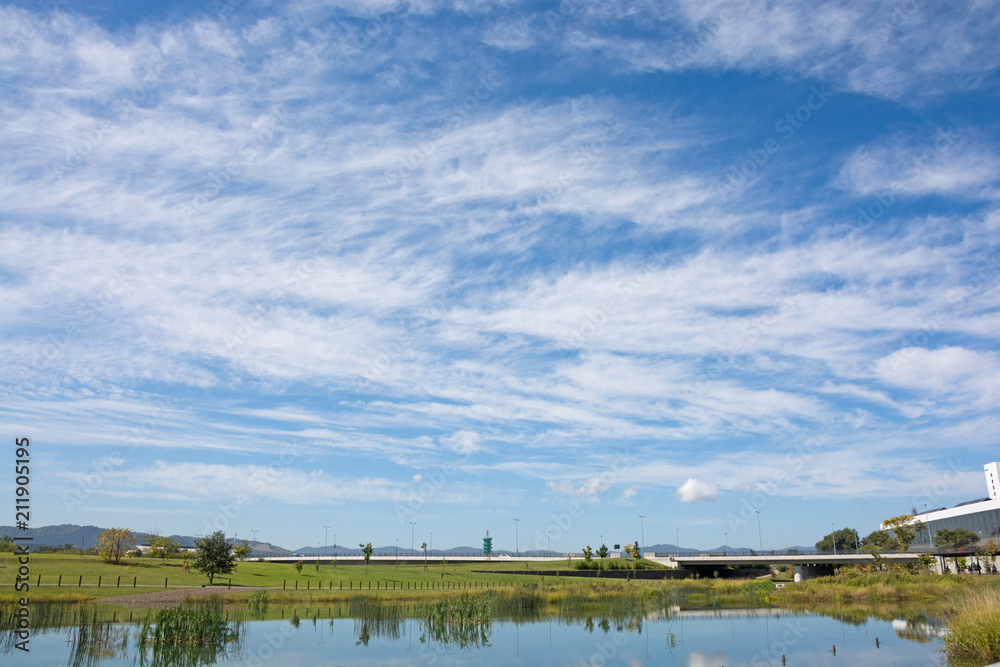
x=974, y=627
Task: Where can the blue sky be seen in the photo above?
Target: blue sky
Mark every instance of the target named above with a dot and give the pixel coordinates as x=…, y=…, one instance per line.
x=278, y=266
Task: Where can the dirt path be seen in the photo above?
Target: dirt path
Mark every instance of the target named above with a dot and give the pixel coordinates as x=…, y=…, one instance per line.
x=170, y=597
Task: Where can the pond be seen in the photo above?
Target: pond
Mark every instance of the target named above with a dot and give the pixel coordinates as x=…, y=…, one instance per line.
x=694, y=638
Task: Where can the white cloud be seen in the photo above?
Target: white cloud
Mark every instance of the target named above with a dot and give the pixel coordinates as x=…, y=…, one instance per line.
x=588, y=488
x=946, y=164
x=949, y=373
x=628, y=492
x=464, y=442
x=694, y=491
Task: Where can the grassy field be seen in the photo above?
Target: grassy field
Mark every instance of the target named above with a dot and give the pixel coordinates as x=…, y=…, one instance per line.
x=150, y=574
x=411, y=582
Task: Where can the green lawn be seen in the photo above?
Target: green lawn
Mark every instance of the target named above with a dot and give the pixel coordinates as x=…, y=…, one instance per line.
x=150, y=574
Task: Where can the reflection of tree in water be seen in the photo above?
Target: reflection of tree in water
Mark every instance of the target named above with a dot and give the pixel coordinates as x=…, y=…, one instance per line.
x=374, y=618
x=94, y=639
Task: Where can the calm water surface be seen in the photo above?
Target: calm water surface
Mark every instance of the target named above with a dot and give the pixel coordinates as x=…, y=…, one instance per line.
x=694, y=639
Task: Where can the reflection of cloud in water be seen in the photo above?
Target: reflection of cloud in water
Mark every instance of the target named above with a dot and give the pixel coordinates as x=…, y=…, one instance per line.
x=921, y=630
x=708, y=658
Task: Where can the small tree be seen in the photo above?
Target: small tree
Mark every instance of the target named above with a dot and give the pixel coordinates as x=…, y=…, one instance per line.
x=214, y=555
x=901, y=530
x=298, y=566
x=161, y=547
x=366, y=549
x=423, y=546
x=841, y=541
x=114, y=543
x=588, y=554
x=987, y=554
x=879, y=539
x=602, y=552
x=955, y=540
x=633, y=553
x=243, y=551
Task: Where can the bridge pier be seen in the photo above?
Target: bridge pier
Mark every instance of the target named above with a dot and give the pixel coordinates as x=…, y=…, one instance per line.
x=803, y=572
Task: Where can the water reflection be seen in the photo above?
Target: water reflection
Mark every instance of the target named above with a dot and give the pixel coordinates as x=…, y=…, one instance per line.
x=380, y=632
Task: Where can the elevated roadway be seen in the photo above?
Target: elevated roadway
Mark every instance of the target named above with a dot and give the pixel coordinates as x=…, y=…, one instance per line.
x=806, y=566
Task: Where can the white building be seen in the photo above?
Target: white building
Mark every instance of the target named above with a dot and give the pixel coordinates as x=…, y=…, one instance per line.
x=980, y=516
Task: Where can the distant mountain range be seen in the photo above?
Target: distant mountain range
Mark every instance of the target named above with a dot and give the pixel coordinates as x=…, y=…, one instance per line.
x=86, y=536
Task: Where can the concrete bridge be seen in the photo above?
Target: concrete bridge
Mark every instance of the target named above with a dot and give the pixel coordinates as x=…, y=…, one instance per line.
x=805, y=566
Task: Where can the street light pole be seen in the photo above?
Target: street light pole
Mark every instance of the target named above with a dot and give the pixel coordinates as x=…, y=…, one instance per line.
x=760, y=540
x=517, y=549
x=833, y=536
x=412, y=524
x=677, y=539
x=642, y=527
x=432, y=542
x=326, y=534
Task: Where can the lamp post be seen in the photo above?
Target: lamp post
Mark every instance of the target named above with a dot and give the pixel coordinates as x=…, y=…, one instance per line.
x=517, y=549
x=833, y=536
x=326, y=534
x=726, y=542
x=760, y=540
x=548, y=538
x=642, y=529
x=412, y=524
x=432, y=542
x=677, y=540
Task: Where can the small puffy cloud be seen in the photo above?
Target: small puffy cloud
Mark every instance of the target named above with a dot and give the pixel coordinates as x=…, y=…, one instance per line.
x=628, y=493
x=418, y=478
x=589, y=487
x=463, y=442
x=693, y=491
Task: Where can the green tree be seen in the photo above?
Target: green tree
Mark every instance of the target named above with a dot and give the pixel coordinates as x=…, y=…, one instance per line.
x=298, y=566
x=423, y=546
x=243, y=551
x=588, y=554
x=958, y=539
x=214, y=555
x=988, y=553
x=632, y=550
x=844, y=539
x=114, y=543
x=902, y=530
x=161, y=547
x=366, y=549
x=880, y=539
x=7, y=545
x=602, y=553
x=876, y=553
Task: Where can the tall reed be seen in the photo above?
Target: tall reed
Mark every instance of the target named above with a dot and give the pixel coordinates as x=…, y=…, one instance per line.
x=974, y=629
